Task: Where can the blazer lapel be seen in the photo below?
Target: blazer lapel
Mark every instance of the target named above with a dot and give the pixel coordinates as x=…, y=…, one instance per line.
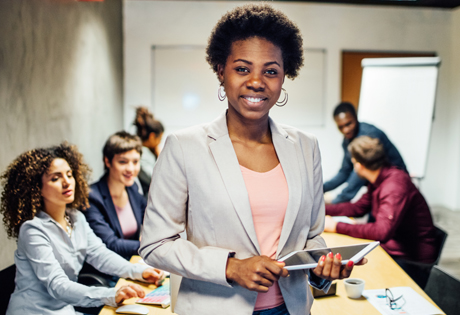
x=224, y=155
x=287, y=154
x=135, y=202
x=110, y=207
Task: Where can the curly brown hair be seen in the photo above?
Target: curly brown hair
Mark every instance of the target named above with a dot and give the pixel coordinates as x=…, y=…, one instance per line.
x=256, y=20
x=21, y=197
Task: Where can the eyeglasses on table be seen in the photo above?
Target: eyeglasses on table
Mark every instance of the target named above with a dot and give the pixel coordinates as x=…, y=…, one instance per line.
x=394, y=303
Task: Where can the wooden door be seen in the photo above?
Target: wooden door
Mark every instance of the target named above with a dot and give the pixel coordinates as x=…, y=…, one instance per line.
x=352, y=70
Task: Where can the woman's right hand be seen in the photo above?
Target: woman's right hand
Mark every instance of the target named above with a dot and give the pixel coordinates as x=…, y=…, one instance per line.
x=153, y=275
x=257, y=273
x=129, y=291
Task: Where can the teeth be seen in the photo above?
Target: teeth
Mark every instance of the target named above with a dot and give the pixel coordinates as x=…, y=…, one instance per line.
x=254, y=99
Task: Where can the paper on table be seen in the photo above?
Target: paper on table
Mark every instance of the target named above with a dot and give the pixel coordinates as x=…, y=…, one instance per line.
x=411, y=303
x=343, y=219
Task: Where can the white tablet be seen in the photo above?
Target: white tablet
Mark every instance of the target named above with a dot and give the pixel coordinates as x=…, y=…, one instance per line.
x=307, y=259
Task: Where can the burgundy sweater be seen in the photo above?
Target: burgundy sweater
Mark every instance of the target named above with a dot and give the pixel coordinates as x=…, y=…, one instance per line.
x=403, y=222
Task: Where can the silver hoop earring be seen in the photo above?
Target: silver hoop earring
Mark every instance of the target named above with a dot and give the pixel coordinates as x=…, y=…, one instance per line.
x=284, y=101
x=221, y=93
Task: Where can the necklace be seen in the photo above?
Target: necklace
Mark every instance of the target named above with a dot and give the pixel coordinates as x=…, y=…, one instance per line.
x=69, y=226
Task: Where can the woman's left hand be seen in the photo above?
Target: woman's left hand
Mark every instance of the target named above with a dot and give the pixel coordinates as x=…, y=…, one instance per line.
x=330, y=267
x=153, y=275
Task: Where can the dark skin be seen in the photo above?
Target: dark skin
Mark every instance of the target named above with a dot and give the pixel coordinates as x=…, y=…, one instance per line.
x=347, y=124
x=253, y=77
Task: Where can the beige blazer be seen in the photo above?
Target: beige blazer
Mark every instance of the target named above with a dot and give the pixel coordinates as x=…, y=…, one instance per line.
x=197, y=186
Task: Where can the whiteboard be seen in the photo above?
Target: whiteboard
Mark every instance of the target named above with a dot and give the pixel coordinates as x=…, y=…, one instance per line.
x=398, y=97
x=184, y=89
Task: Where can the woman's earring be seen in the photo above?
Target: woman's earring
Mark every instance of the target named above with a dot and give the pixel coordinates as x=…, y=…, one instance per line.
x=285, y=99
x=221, y=93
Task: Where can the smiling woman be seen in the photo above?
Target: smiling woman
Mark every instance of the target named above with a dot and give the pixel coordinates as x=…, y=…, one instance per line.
x=116, y=208
x=245, y=189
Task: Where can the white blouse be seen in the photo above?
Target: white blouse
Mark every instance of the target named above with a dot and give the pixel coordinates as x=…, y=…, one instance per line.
x=48, y=263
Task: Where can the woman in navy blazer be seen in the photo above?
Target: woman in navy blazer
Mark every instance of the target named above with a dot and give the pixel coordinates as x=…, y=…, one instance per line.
x=116, y=208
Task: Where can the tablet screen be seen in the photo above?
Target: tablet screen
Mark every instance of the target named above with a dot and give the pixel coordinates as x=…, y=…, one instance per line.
x=313, y=255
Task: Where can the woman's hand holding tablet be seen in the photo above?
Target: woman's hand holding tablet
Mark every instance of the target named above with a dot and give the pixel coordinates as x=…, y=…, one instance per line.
x=329, y=263
x=311, y=258
x=331, y=268
x=256, y=273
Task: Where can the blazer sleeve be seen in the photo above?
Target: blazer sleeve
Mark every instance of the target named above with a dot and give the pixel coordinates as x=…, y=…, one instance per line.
x=166, y=217
x=318, y=211
x=104, y=231
x=143, y=202
x=317, y=218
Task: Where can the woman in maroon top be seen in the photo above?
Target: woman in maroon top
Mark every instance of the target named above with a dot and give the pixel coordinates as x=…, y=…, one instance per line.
x=400, y=217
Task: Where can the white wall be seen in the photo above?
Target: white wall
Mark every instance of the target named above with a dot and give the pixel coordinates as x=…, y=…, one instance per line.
x=455, y=117
x=60, y=79
x=330, y=27
x=442, y=184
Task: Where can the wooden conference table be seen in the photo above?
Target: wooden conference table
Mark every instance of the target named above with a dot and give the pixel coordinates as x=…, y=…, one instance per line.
x=380, y=272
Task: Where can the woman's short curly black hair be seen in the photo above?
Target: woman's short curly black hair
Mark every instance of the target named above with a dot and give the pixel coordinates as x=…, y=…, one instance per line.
x=22, y=182
x=256, y=20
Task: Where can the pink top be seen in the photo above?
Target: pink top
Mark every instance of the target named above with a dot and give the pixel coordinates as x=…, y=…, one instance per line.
x=268, y=196
x=127, y=220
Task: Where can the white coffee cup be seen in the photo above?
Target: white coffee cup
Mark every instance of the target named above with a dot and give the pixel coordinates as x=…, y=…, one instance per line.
x=354, y=287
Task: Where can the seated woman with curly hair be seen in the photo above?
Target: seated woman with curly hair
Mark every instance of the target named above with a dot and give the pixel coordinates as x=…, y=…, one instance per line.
x=43, y=188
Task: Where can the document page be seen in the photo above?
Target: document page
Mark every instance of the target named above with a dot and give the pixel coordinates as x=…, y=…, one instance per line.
x=410, y=303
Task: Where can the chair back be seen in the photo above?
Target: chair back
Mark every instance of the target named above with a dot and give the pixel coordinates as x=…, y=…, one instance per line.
x=7, y=286
x=444, y=290
x=419, y=272
x=440, y=237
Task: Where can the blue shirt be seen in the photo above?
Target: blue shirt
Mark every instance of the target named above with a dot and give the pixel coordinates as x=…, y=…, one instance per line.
x=346, y=173
x=48, y=262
